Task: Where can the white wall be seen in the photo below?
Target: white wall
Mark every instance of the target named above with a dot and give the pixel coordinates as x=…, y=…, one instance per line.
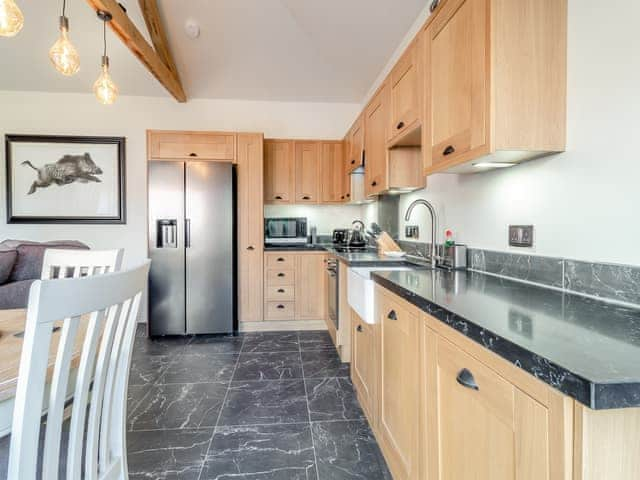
x=80, y=114
x=584, y=203
x=324, y=217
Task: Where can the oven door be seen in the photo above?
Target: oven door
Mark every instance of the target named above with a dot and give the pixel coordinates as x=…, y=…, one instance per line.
x=333, y=291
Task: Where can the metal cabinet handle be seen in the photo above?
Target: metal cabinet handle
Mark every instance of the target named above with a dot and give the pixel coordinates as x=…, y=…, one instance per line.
x=281, y=290
x=466, y=379
x=277, y=197
x=281, y=307
x=448, y=151
x=392, y=315
x=251, y=247
x=348, y=195
x=193, y=154
x=353, y=162
x=280, y=259
x=306, y=197
x=434, y=5
x=374, y=183
x=359, y=328
x=400, y=125
x=281, y=274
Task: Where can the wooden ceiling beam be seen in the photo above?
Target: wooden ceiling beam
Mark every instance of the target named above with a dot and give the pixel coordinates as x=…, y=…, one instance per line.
x=151, y=14
x=124, y=28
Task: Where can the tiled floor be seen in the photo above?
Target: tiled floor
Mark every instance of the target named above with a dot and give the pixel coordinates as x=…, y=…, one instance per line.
x=258, y=406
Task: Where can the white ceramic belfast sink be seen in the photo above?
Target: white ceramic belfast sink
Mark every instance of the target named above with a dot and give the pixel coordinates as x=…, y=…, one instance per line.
x=360, y=290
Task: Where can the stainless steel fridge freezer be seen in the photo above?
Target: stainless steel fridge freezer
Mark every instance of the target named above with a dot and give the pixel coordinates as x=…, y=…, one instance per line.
x=192, y=244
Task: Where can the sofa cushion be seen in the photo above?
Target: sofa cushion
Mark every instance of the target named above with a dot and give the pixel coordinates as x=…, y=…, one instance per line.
x=7, y=260
x=28, y=265
x=15, y=295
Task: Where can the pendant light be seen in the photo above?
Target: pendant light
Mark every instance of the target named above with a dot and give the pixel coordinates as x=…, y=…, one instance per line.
x=106, y=91
x=11, y=18
x=63, y=54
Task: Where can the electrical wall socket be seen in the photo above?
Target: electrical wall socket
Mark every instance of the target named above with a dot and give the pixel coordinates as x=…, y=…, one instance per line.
x=521, y=235
x=412, y=231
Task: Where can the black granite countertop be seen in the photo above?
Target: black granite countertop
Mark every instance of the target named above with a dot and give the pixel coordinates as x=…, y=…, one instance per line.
x=352, y=259
x=586, y=348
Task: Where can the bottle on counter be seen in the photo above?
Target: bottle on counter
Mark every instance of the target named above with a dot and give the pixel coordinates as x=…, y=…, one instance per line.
x=314, y=235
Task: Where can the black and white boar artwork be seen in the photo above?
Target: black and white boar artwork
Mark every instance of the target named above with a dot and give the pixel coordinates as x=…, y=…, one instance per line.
x=69, y=169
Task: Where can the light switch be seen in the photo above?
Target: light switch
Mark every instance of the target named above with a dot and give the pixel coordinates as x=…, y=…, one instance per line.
x=521, y=235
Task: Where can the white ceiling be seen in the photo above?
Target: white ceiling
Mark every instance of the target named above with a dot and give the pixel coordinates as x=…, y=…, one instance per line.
x=294, y=50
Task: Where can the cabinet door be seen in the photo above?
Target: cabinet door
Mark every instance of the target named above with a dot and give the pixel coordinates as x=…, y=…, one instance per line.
x=406, y=92
x=363, y=365
x=458, y=56
x=484, y=428
x=346, y=172
x=332, y=172
x=307, y=168
x=356, y=157
x=399, y=388
x=376, y=123
x=279, y=171
x=250, y=227
x=192, y=145
x=311, y=286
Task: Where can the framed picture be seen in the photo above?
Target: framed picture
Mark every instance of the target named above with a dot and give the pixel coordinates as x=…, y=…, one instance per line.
x=56, y=179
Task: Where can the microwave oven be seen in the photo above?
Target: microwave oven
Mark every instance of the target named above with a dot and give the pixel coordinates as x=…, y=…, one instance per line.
x=285, y=231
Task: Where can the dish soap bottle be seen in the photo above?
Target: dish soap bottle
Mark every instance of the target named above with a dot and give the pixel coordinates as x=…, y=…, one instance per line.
x=449, y=240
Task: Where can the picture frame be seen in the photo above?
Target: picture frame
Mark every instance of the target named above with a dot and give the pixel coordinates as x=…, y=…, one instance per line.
x=55, y=179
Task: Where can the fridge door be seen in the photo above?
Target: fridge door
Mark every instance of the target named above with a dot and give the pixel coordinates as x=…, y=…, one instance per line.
x=166, y=249
x=210, y=251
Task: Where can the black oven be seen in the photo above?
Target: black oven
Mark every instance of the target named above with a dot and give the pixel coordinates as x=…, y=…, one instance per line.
x=285, y=231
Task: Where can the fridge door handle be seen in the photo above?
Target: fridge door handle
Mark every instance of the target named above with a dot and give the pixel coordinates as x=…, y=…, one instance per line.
x=187, y=233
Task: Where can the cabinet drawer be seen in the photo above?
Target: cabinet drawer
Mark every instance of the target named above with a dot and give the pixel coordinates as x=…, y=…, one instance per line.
x=280, y=260
x=281, y=292
x=279, y=310
x=281, y=277
x=491, y=390
x=203, y=146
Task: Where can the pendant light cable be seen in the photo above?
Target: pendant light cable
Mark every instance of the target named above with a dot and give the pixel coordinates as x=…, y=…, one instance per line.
x=104, y=37
x=64, y=7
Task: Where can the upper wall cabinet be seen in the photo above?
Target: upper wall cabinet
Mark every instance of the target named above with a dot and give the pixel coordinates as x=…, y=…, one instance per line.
x=495, y=82
x=406, y=93
x=331, y=172
x=170, y=145
x=376, y=121
x=279, y=171
x=356, y=144
x=307, y=171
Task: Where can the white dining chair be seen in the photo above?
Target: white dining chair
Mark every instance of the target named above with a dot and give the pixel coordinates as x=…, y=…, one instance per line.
x=59, y=263
x=109, y=303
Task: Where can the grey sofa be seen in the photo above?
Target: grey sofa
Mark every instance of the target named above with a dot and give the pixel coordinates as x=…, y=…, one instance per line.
x=21, y=264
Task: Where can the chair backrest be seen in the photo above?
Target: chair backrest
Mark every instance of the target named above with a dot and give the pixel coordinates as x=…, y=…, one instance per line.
x=109, y=304
x=58, y=263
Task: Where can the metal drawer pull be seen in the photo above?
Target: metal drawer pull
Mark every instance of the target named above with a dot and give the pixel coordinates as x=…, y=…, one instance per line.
x=400, y=125
x=278, y=197
x=306, y=197
x=250, y=247
x=449, y=150
x=281, y=274
x=280, y=259
x=281, y=290
x=466, y=379
x=193, y=154
x=392, y=315
x=281, y=307
x=359, y=328
x=374, y=183
x=353, y=162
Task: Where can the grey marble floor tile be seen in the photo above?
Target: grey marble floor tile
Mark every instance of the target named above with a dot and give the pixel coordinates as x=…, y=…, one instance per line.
x=265, y=402
x=215, y=344
x=315, y=340
x=271, y=342
x=332, y=399
x=268, y=452
x=348, y=451
x=268, y=366
x=135, y=394
x=144, y=346
x=167, y=454
x=199, y=368
x=145, y=370
x=322, y=364
x=195, y=405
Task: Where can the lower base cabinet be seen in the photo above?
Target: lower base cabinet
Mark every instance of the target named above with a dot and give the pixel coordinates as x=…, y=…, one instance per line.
x=364, y=365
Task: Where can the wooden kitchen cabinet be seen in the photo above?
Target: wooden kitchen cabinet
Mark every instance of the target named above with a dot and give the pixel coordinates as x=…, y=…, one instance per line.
x=399, y=379
x=356, y=144
x=307, y=172
x=346, y=172
x=279, y=171
x=406, y=92
x=331, y=172
x=364, y=365
x=376, y=122
x=250, y=227
x=495, y=82
x=177, y=145
x=311, y=286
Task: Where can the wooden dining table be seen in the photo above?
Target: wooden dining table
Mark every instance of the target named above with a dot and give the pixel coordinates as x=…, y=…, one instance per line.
x=12, y=324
